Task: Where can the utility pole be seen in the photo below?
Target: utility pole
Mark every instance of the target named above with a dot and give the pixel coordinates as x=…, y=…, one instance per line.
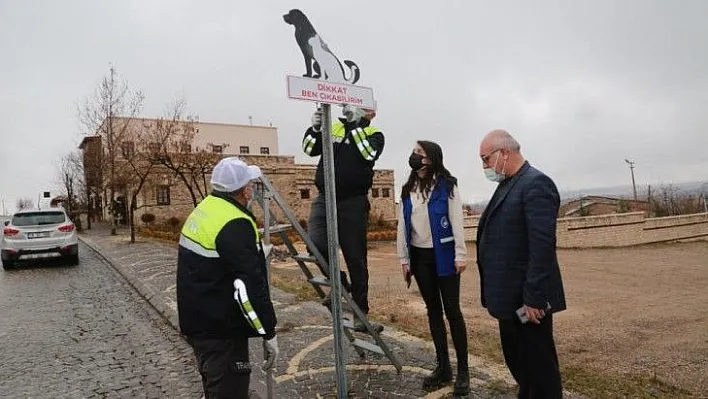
x=631, y=168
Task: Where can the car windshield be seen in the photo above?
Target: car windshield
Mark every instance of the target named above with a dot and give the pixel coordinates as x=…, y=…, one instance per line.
x=38, y=218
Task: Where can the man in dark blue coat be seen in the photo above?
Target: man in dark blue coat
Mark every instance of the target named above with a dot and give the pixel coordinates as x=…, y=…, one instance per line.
x=520, y=278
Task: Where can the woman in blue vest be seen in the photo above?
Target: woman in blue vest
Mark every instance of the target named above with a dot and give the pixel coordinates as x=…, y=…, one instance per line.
x=431, y=247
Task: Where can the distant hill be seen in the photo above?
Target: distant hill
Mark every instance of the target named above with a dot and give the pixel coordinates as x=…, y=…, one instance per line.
x=626, y=191
x=621, y=191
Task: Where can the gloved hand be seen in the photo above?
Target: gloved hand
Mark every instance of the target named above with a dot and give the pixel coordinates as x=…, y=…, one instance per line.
x=352, y=113
x=317, y=121
x=270, y=352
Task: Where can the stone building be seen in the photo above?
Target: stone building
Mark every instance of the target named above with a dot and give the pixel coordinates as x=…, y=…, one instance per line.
x=593, y=205
x=165, y=195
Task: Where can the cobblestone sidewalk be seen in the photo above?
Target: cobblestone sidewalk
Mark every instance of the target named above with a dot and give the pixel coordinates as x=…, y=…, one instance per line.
x=306, y=366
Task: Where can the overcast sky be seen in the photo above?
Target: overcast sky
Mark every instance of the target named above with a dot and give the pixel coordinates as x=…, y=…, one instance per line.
x=582, y=85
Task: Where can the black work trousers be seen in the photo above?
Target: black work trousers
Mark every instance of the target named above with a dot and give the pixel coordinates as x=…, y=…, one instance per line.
x=352, y=222
x=224, y=367
x=441, y=292
x=530, y=354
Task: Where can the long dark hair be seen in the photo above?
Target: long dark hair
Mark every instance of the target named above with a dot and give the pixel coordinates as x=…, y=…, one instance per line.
x=435, y=168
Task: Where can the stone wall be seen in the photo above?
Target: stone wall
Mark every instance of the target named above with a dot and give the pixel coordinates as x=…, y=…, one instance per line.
x=618, y=230
x=294, y=182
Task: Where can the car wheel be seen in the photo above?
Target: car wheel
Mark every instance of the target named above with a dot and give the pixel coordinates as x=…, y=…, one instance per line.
x=74, y=260
x=8, y=264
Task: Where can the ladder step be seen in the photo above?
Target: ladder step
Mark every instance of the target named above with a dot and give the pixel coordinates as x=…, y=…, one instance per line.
x=360, y=343
x=276, y=228
x=320, y=281
x=305, y=258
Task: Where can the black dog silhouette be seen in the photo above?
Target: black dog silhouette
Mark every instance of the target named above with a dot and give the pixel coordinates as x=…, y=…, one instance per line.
x=316, y=52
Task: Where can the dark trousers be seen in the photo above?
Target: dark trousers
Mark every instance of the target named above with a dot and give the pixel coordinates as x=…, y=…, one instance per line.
x=352, y=221
x=224, y=367
x=440, y=292
x=530, y=354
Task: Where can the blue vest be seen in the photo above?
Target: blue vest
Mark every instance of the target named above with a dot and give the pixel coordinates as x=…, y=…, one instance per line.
x=441, y=229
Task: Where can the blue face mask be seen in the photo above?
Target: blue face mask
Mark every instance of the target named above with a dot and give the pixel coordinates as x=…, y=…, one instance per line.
x=491, y=172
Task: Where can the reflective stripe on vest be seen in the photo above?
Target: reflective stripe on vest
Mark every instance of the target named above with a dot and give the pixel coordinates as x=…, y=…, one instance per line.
x=338, y=130
x=361, y=138
x=206, y=221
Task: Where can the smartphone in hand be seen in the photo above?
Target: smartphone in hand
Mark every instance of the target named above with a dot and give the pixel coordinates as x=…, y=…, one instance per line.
x=521, y=314
x=408, y=279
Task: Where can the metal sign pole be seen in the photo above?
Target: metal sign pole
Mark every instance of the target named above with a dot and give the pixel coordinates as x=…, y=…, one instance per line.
x=333, y=245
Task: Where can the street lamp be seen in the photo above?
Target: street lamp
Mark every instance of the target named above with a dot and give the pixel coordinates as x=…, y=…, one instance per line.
x=631, y=168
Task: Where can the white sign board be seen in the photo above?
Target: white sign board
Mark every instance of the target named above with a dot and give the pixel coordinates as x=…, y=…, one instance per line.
x=317, y=90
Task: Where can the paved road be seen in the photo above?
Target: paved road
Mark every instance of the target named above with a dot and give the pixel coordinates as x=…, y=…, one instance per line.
x=75, y=332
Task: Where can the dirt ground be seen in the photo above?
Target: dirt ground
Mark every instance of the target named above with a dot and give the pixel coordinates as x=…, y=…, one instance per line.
x=639, y=312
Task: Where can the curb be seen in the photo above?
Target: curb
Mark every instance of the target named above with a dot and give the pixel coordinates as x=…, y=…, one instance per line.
x=154, y=298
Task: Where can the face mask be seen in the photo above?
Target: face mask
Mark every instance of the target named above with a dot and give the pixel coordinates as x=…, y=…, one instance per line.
x=492, y=174
x=352, y=113
x=416, y=162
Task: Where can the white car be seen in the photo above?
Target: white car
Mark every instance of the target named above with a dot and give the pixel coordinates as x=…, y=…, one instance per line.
x=32, y=234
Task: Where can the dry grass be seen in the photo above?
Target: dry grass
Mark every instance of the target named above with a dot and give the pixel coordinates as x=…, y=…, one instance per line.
x=636, y=324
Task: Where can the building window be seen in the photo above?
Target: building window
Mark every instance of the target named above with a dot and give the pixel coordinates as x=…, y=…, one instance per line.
x=217, y=149
x=127, y=149
x=162, y=195
x=375, y=192
x=385, y=192
x=265, y=151
x=304, y=193
x=186, y=148
x=243, y=149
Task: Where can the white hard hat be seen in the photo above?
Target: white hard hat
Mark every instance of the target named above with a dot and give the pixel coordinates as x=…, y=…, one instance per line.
x=230, y=174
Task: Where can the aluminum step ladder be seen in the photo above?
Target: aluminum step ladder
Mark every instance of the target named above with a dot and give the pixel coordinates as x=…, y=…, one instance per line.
x=263, y=194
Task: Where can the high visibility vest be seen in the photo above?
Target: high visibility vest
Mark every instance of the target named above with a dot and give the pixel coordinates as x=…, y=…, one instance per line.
x=360, y=136
x=206, y=221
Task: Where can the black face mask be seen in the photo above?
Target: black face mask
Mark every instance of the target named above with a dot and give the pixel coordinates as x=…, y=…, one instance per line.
x=416, y=162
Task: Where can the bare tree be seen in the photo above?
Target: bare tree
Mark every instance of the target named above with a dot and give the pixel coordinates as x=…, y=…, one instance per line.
x=109, y=113
x=152, y=139
x=70, y=178
x=179, y=154
x=669, y=201
x=24, y=203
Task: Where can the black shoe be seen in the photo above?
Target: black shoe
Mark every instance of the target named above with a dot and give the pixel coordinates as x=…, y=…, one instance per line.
x=462, y=384
x=327, y=302
x=360, y=327
x=440, y=376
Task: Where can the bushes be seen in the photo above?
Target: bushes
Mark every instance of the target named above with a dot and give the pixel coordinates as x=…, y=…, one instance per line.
x=168, y=230
x=147, y=218
x=159, y=234
x=174, y=223
x=384, y=235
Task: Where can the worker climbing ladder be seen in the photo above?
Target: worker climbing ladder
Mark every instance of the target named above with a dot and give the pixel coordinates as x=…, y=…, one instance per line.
x=263, y=196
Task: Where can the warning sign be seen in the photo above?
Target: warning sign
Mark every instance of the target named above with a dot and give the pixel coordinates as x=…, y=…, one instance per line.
x=317, y=90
